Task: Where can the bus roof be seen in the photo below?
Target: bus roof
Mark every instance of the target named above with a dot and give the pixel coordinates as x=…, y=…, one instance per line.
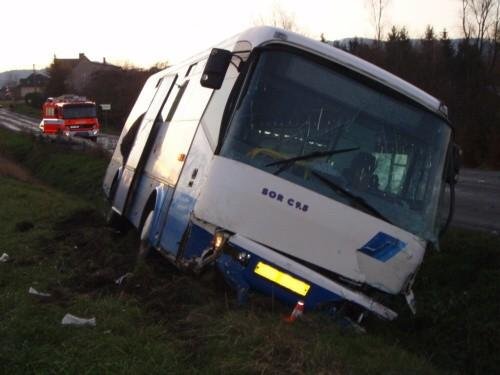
x=265, y=35
x=259, y=36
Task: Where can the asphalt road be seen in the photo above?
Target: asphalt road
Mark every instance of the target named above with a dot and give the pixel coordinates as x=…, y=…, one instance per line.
x=478, y=200
x=477, y=192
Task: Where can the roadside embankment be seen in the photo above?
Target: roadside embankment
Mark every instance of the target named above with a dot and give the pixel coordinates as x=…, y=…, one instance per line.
x=160, y=321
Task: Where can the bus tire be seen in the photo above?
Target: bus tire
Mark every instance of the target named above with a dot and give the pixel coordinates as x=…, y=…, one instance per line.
x=144, y=245
x=116, y=221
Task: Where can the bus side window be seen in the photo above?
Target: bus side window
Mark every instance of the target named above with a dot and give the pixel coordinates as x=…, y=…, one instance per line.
x=167, y=113
x=193, y=102
x=145, y=126
x=183, y=118
x=129, y=138
x=188, y=72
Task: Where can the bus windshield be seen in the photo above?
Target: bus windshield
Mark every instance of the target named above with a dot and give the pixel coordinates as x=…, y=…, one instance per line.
x=317, y=127
x=79, y=111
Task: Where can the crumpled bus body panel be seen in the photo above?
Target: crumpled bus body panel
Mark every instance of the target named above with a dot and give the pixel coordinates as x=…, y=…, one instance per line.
x=306, y=225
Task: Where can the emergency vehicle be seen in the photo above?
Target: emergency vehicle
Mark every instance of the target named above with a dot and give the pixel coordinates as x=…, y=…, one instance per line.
x=292, y=167
x=70, y=115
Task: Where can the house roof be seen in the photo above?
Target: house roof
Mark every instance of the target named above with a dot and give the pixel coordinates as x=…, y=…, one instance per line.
x=70, y=64
x=34, y=79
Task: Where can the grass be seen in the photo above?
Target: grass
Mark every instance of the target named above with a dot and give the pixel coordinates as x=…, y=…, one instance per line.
x=161, y=321
x=77, y=173
x=19, y=106
x=458, y=291
x=31, y=335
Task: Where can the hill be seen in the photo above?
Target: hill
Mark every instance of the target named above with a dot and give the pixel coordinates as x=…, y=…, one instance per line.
x=11, y=76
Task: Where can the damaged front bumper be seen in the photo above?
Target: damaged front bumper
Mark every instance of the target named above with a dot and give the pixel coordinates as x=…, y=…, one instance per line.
x=247, y=265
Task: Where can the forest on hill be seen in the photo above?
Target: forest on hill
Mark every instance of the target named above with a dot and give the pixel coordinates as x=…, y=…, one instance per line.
x=464, y=74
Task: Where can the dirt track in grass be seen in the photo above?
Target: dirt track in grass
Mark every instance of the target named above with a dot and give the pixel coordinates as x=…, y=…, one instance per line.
x=10, y=169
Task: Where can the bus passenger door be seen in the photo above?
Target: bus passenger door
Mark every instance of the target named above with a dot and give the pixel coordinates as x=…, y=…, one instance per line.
x=142, y=144
x=177, y=155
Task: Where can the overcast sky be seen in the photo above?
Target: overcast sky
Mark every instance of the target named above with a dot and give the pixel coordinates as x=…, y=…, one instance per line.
x=144, y=32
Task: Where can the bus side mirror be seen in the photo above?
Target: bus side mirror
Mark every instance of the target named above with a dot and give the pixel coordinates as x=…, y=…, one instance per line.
x=215, y=69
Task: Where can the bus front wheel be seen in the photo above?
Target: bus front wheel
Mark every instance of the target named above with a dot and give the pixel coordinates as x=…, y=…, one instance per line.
x=116, y=221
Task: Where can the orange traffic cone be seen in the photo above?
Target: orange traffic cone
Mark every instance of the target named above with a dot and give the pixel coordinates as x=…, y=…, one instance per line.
x=297, y=312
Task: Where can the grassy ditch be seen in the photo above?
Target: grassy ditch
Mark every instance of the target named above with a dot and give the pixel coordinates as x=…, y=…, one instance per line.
x=161, y=321
x=22, y=108
x=77, y=173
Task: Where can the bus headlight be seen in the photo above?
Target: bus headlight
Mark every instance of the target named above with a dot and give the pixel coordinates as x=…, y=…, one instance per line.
x=219, y=240
x=244, y=257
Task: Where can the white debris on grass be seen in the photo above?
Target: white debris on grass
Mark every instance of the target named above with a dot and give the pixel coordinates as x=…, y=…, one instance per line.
x=72, y=320
x=4, y=258
x=120, y=280
x=35, y=292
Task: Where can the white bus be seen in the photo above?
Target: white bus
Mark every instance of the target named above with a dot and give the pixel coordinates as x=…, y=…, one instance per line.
x=296, y=169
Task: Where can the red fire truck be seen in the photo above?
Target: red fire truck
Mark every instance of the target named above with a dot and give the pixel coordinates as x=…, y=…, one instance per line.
x=70, y=115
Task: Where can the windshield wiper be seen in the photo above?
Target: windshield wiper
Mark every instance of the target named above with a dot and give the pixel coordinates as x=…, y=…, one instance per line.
x=312, y=155
x=354, y=198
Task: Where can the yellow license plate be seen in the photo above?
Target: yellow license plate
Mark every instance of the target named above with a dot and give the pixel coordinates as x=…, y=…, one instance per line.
x=281, y=278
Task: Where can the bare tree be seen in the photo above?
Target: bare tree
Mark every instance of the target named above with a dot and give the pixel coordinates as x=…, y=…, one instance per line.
x=377, y=12
x=497, y=23
x=496, y=37
x=280, y=18
x=480, y=20
x=496, y=27
x=466, y=25
x=160, y=65
x=482, y=10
